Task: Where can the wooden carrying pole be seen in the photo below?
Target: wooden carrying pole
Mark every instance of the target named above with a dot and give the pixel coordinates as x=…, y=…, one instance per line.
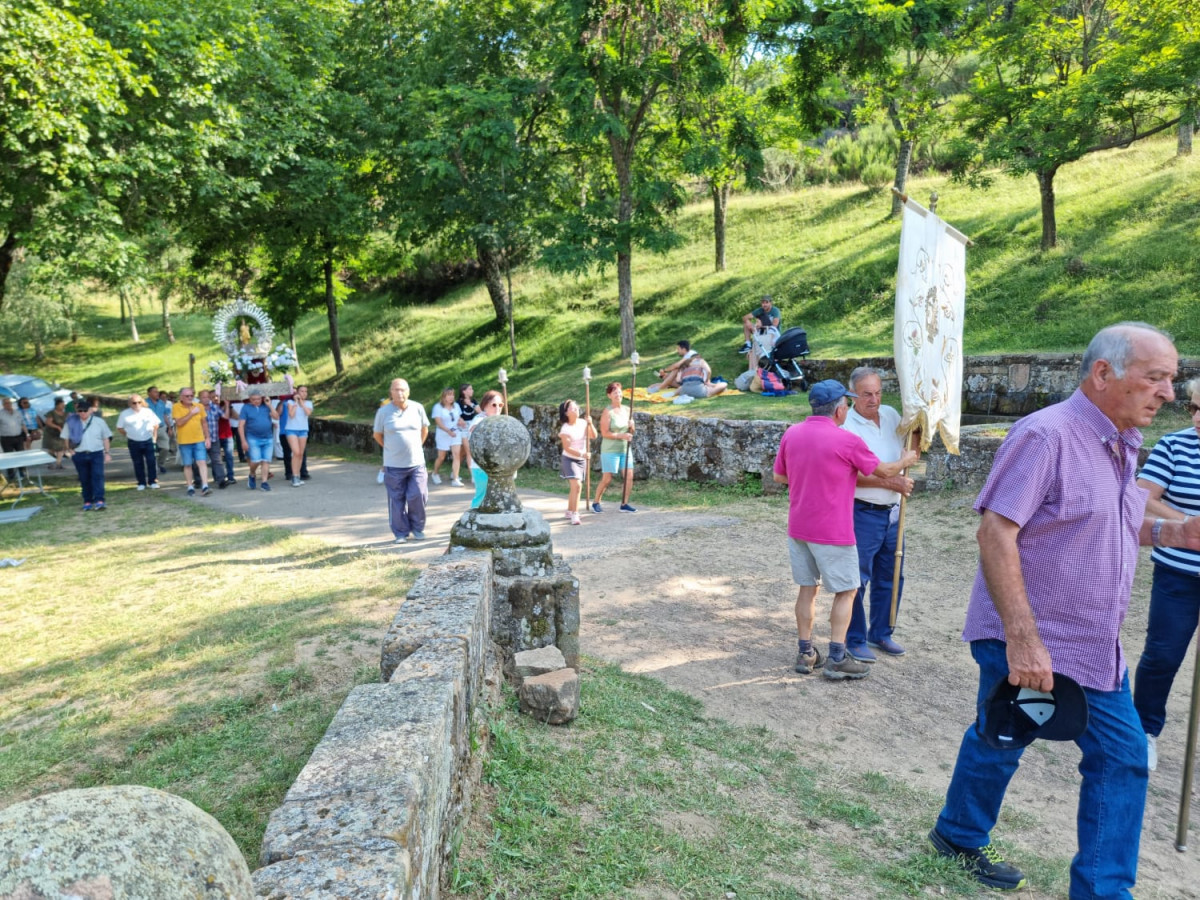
x=587, y=413
x=627, y=480
x=898, y=566
x=1189, y=759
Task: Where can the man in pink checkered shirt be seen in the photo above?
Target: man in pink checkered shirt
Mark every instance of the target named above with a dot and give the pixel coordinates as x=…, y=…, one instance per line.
x=1062, y=519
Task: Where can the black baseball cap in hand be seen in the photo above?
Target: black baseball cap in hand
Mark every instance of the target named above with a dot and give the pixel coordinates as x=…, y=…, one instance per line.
x=1014, y=717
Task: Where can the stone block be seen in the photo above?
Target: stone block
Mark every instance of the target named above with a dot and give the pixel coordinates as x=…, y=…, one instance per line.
x=450, y=601
x=552, y=698
x=529, y=663
x=340, y=873
x=542, y=611
x=125, y=841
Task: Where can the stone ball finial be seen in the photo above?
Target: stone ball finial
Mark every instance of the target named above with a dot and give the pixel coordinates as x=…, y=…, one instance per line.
x=122, y=841
x=500, y=445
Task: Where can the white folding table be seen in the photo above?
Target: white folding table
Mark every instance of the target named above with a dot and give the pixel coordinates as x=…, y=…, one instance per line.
x=33, y=460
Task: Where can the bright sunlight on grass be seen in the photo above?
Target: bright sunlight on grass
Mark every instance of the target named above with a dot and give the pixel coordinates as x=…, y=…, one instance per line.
x=168, y=645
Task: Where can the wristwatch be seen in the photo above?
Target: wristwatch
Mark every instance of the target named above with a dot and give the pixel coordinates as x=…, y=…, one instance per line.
x=1156, y=532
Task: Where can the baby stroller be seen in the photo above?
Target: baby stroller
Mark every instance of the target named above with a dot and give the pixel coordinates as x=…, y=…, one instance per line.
x=782, y=360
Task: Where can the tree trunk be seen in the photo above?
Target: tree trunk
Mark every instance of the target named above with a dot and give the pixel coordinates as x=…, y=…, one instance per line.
x=8, y=251
x=1049, y=223
x=335, y=342
x=903, y=161
x=493, y=277
x=166, y=320
x=720, y=196
x=292, y=344
x=1187, y=127
x=623, y=166
x=39, y=351
x=512, y=327
x=133, y=332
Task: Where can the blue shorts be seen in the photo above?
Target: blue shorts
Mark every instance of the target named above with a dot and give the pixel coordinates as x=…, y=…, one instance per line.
x=190, y=453
x=289, y=431
x=260, y=449
x=613, y=463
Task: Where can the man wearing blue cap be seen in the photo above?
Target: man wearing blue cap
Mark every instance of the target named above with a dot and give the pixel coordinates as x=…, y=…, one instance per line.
x=820, y=463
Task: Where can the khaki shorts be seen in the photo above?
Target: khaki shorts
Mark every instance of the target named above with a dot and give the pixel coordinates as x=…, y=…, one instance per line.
x=834, y=567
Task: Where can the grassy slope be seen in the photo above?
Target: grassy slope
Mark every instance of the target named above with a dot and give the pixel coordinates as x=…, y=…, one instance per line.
x=1128, y=223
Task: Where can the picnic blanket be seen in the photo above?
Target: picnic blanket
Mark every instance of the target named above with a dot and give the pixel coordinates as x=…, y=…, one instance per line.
x=668, y=396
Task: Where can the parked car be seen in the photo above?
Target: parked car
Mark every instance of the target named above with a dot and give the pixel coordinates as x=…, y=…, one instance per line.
x=40, y=394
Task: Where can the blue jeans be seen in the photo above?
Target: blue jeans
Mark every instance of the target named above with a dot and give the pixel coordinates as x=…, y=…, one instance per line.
x=90, y=468
x=223, y=448
x=1174, y=611
x=144, y=467
x=1112, y=797
x=408, y=492
x=876, y=541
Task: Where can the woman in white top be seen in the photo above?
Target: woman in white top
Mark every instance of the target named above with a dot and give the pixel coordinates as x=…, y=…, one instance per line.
x=576, y=435
x=299, y=408
x=445, y=415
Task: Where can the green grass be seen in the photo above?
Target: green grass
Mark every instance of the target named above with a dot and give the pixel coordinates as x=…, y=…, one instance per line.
x=208, y=664
x=642, y=796
x=1128, y=224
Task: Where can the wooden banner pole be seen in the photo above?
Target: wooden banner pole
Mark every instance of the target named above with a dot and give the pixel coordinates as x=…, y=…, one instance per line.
x=898, y=565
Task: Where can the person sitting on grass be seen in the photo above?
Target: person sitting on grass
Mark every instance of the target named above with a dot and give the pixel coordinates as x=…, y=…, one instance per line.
x=763, y=321
x=695, y=380
x=669, y=375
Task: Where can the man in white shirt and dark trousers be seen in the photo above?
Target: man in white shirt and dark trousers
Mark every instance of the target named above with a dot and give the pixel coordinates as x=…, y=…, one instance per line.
x=400, y=429
x=876, y=519
x=140, y=426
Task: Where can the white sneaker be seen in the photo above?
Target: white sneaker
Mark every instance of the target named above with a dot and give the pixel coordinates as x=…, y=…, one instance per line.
x=457, y=482
x=574, y=519
x=1152, y=752
x=141, y=487
x=379, y=477
x=436, y=479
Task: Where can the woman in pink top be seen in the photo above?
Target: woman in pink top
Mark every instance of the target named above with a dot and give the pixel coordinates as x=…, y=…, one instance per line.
x=576, y=435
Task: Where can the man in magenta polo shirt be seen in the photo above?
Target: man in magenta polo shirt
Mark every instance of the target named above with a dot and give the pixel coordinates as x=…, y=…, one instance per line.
x=1062, y=518
x=820, y=464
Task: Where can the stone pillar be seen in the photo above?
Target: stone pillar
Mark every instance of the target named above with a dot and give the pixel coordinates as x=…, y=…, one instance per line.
x=536, y=597
x=518, y=538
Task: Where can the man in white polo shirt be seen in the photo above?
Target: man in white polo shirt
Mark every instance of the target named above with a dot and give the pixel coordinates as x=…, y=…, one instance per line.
x=140, y=426
x=876, y=519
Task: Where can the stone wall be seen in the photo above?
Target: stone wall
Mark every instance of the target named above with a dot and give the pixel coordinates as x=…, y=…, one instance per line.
x=373, y=812
x=1013, y=384
x=675, y=448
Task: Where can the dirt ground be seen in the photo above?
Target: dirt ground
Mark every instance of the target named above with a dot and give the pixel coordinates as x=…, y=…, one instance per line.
x=704, y=601
x=710, y=612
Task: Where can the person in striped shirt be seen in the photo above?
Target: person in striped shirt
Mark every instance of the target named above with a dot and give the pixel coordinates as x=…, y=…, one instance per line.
x=1172, y=476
